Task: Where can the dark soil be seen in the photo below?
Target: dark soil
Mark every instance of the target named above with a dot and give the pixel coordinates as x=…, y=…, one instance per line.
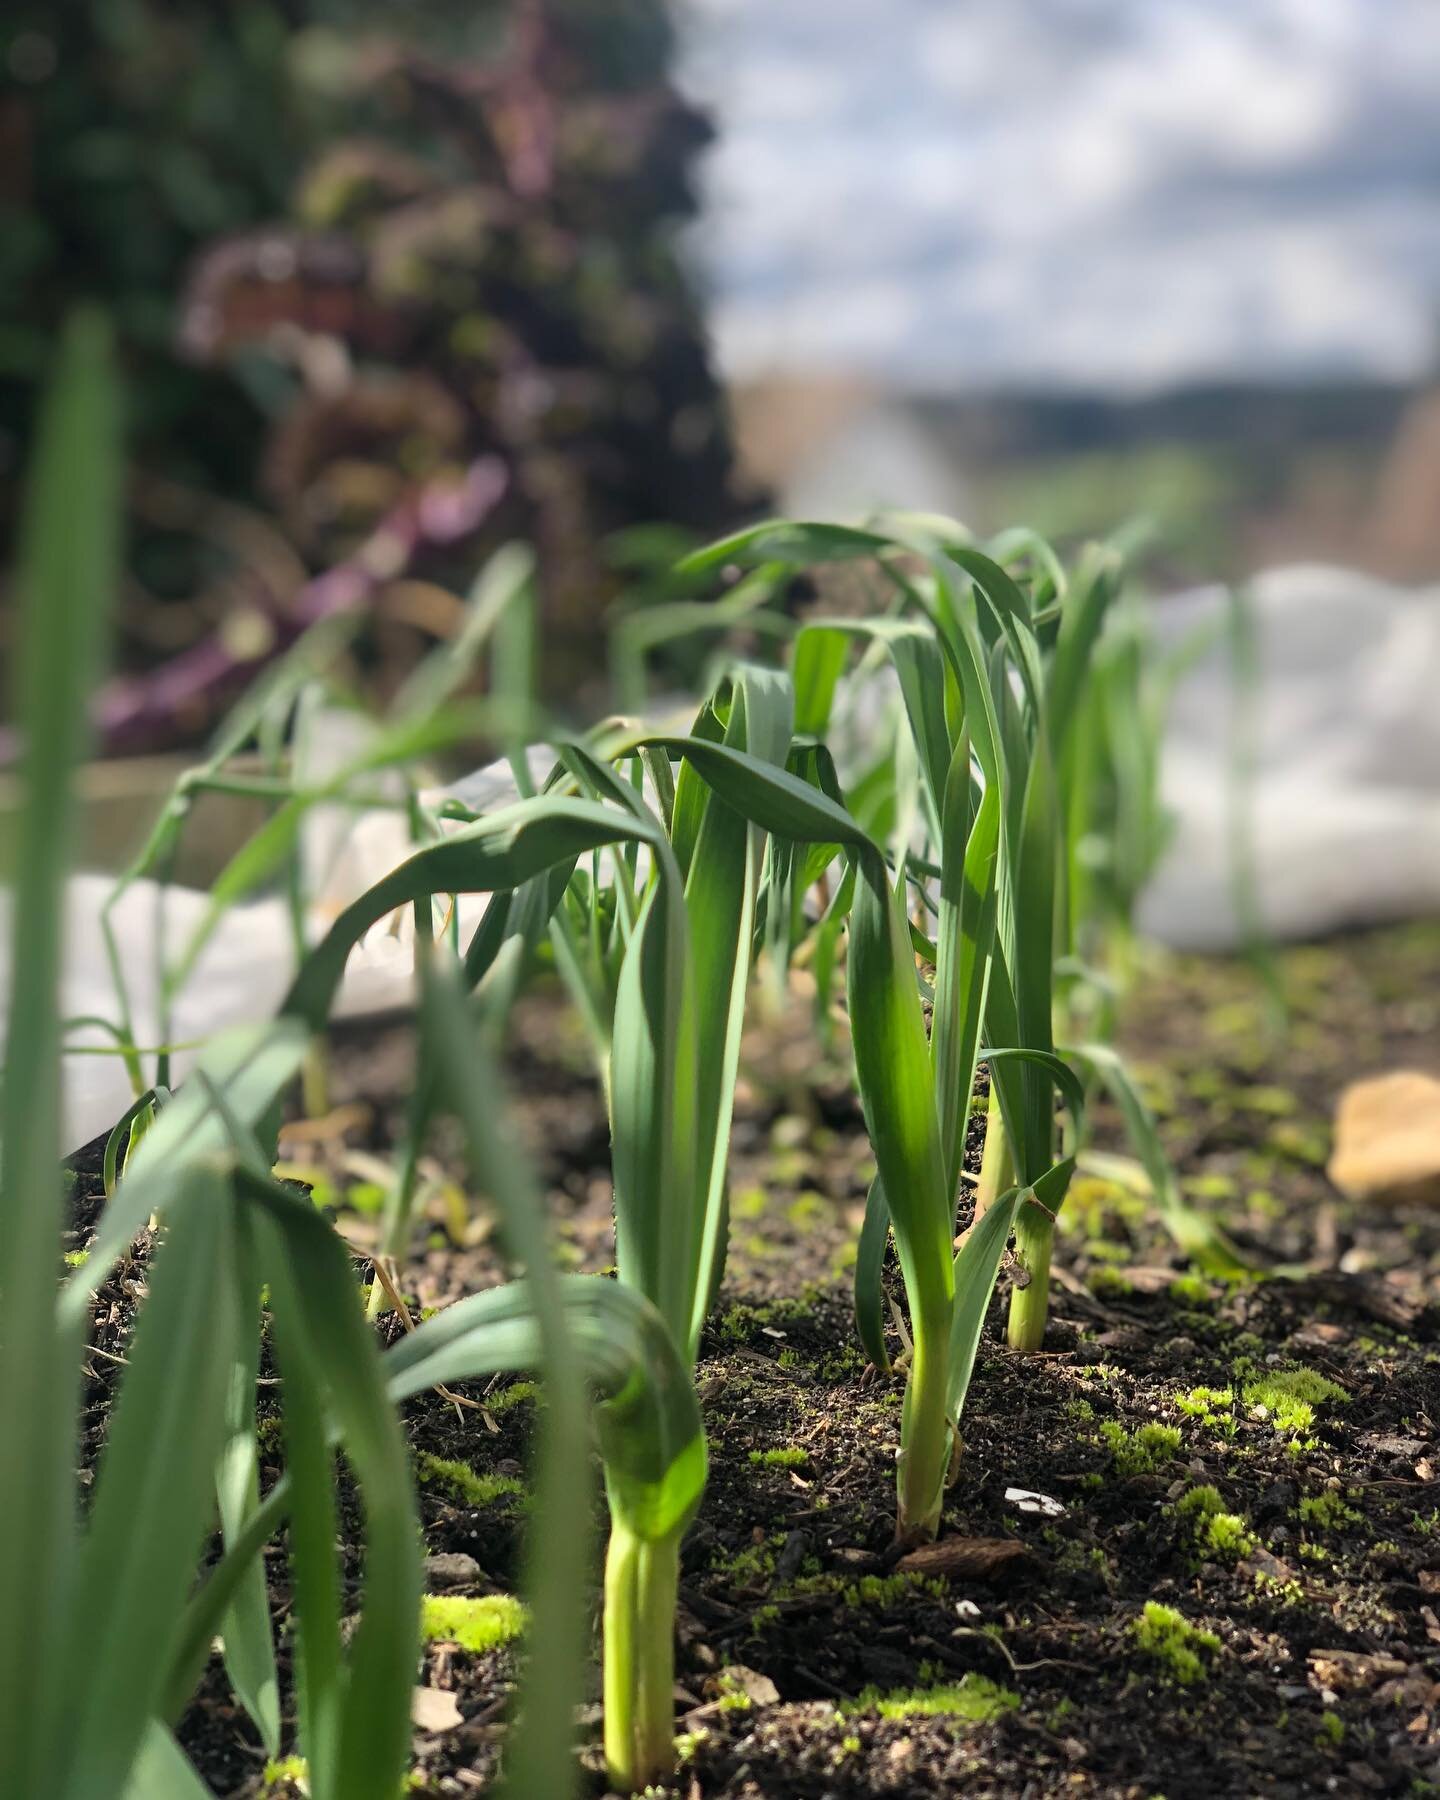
x=1322, y=1593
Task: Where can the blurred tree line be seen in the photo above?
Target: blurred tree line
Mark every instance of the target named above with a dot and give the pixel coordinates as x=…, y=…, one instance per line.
x=356, y=251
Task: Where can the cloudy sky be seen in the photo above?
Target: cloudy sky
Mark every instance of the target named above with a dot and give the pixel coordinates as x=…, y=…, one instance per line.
x=1095, y=192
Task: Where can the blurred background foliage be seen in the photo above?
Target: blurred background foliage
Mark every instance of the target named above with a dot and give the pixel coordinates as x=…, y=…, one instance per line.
x=356, y=253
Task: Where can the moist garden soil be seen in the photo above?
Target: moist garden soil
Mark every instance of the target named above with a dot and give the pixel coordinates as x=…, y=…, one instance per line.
x=1015, y=1658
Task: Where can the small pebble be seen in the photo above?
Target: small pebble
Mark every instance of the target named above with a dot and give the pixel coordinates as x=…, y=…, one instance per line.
x=451, y=1568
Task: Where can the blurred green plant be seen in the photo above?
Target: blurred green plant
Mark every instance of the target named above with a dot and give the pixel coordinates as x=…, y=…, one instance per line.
x=659, y=958
x=116, y=1633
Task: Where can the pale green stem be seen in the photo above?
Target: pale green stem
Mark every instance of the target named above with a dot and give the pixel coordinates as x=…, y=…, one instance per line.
x=926, y=1435
x=315, y=1080
x=1030, y=1302
x=395, y=1226
x=641, y=1580
x=996, y=1164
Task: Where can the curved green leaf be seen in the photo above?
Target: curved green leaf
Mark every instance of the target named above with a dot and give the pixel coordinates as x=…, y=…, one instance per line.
x=68, y=568
x=158, y=1467
x=325, y=1341
x=784, y=541
x=502, y=851
x=1196, y=1235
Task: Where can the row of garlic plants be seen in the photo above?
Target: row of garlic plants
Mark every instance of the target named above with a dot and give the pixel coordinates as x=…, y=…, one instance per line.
x=658, y=867
x=994, y=713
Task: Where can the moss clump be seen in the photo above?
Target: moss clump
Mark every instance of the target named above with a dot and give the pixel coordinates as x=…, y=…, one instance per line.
x=1289, y=1398
x=1225, y=1538
x=1086, y=1562
x=1096, y=1206
x=365, y=1197
x=1283, y=1593
x=974, y=1699
x=1332, y=1731
x=1210, y=1405
x=733, y=1697
x=754, y=1565
x=475, y=1625
x=1109, y=1284
x=285, y=1771
x=750, y=1204
x=1213, y=1185
x=1142, y=1451
x=1176, y=1644
x=847, y=1364
x=460, y=1480
x=783, y=1456
x=1301, y=1142
x=806, y=1209
x=518, y=1391
x=1218, y=1536
x=1277, y=1102
x=1327, y=1512
x=885, y=1590
x=1191, y=1290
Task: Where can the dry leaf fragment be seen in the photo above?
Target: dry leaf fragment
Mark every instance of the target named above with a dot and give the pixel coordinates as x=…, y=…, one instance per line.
x=1353, y=1669
x=735, y=1678
x=976, y=1559
x=434, y=1709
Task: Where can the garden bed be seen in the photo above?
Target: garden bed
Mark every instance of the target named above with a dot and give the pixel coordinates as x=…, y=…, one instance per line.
x=1292, y=1641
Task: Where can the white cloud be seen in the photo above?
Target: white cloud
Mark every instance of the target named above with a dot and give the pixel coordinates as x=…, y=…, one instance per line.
x=1128, y=191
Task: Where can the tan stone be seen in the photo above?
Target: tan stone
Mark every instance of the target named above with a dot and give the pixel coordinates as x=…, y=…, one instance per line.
x=1387, y=1140
x=434, y=1709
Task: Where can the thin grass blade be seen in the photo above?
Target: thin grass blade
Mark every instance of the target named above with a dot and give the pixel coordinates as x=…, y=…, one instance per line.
x=68, y=568
x=152, y=1495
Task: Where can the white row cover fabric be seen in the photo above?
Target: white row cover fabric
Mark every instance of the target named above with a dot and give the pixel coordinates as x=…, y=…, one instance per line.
x=1342, y=814
x=1344, y=824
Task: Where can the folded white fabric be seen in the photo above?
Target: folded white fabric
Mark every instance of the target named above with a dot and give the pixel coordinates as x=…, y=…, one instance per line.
x=1343, y=809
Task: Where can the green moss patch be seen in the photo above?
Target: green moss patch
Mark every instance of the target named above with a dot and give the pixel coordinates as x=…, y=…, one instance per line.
x=1191, y=1290
x=475, y=1625
x=974, y=1699
x=461, y=1482
x=1327, y=1512
x=1143, y=1451
x=1098, y=1208
x=1181, y=1649
x=1217, y=1535
x=887, y=1590
x=518, y=1392
x=1288, y=1397
x=1212, y=1406
x=784, y=1456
